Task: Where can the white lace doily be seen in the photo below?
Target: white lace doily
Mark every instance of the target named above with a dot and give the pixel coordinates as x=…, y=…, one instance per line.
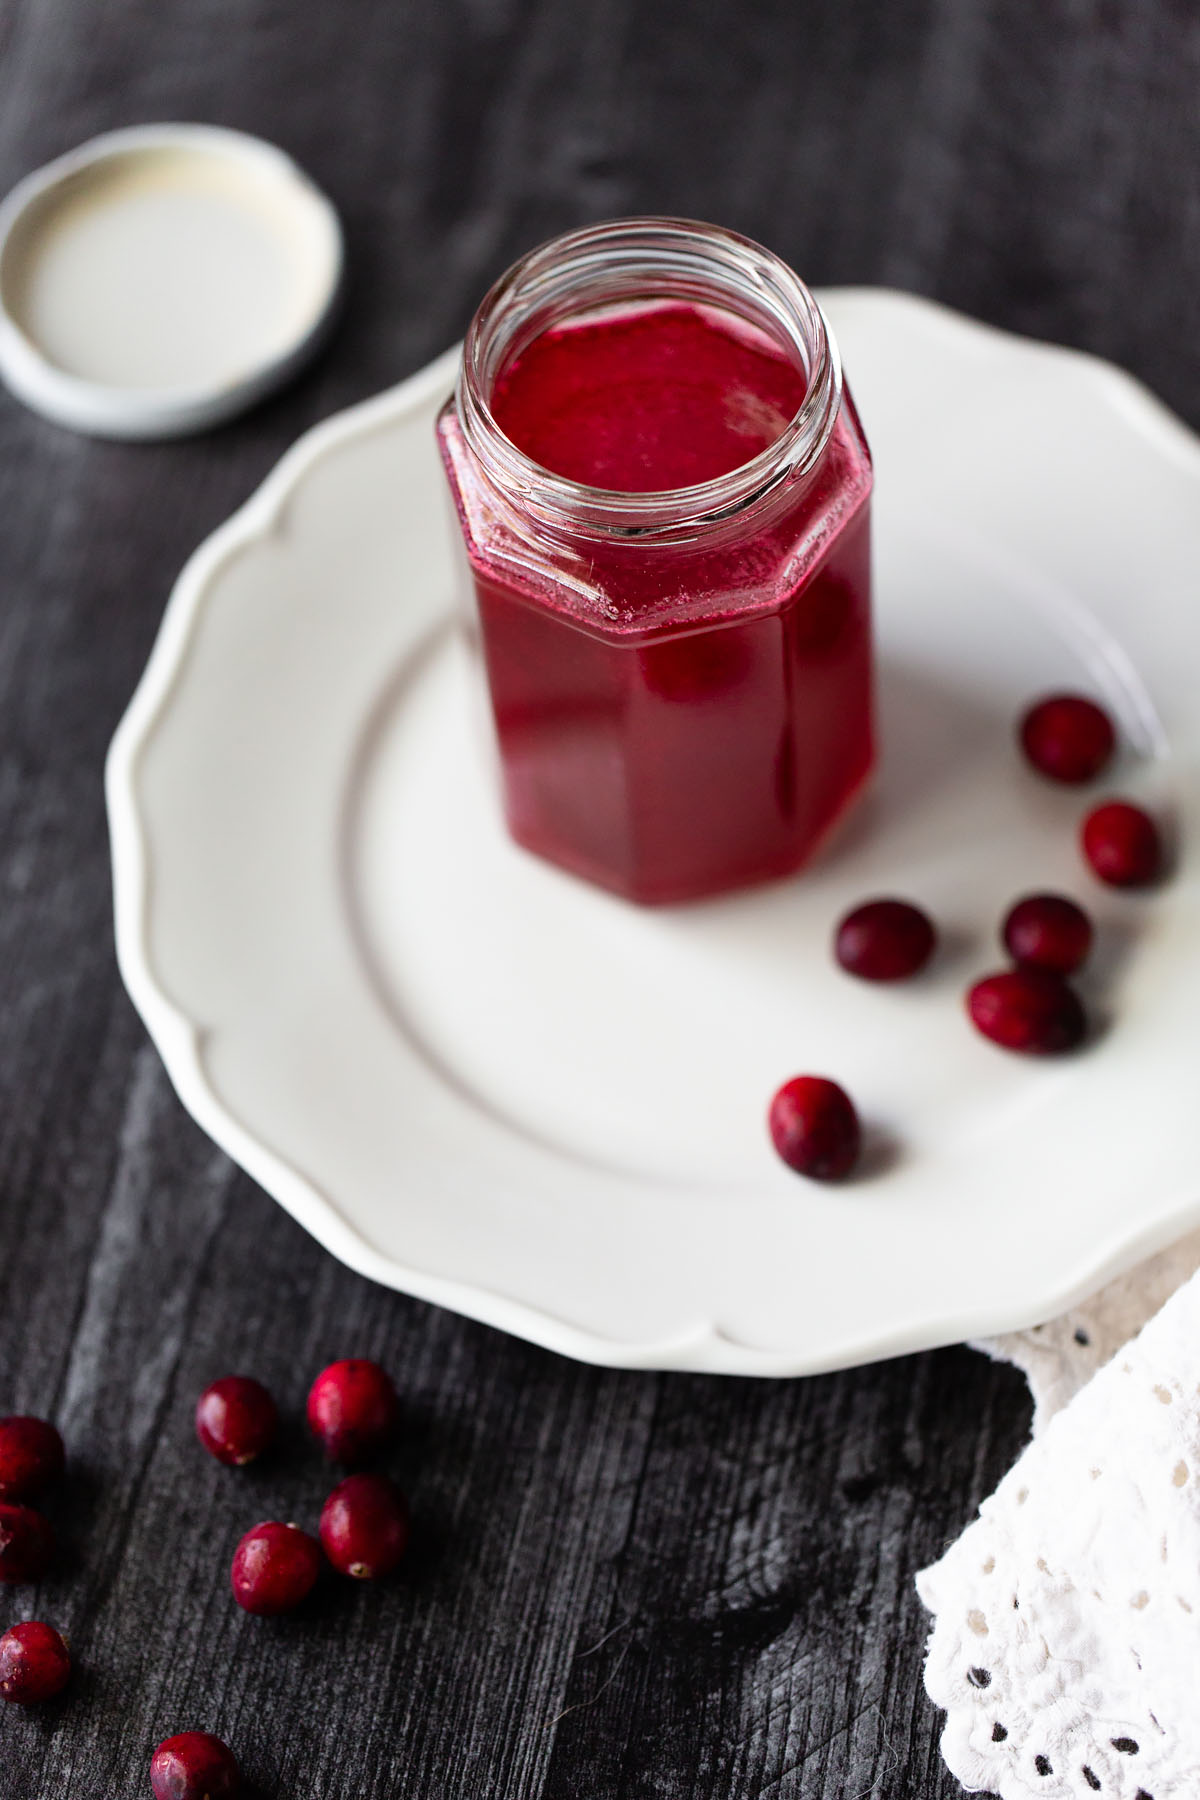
x=1066, y=1643
x=1058, y=1358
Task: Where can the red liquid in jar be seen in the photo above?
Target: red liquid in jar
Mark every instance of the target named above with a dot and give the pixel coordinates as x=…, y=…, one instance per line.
x=663, y=398
x=674, y=719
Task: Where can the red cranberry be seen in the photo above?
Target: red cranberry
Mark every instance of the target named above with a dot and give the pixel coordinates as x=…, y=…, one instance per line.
x=885, y=940
x=1122, y=844
x=352, y=1409
x=1067, y=737
x=815, y=1128
x=31, y=1458
x=194, y=1766
x=236, y=1420
x=26, y=1543
x=364, y=1526
x=274, y=1568
x=1027, y=1009
x=1048, y=931
x=35, y=1663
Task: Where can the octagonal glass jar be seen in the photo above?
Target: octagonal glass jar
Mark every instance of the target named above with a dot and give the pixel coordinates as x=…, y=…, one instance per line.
x=680, y=674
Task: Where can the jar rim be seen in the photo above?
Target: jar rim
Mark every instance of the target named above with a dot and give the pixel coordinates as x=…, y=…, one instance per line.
x=651, y=257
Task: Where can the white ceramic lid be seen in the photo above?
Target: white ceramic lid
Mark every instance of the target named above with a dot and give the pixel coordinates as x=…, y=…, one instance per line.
x=160, y=279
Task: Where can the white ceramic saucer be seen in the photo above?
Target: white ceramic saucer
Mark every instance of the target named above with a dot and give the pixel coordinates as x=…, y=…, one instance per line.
x=485, y=1083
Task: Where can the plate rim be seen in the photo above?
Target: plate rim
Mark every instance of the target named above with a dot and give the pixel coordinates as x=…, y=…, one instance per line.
x=180, y=1039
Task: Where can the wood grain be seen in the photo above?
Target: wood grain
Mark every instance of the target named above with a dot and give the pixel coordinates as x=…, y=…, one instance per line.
x=623, y=1587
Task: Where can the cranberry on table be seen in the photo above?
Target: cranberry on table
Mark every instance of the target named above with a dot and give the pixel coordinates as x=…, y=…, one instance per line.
x=35, y=1663
x=1122, y=844
x=194, y=1765
x=274, y=1568
x=352, y=1409
x=884, y=940
x=364, y=1526
x=815, y=1128
x=1067, y=737
x=26, y=1543
x=236, y=1420
x=31, y=1458
x=1032, y=1010
x=1047, y=931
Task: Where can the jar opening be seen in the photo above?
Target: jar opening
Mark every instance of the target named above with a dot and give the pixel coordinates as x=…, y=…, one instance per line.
x=628, y=264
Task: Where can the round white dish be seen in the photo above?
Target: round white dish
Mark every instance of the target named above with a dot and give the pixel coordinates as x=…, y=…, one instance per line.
x=478, y=1080
x=162, y=278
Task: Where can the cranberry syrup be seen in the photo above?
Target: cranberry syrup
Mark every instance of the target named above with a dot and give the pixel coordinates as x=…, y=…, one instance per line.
x=674, y=718
x=663, y=397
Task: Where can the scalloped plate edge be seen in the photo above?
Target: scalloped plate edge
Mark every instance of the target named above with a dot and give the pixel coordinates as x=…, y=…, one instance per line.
x=706, y=1347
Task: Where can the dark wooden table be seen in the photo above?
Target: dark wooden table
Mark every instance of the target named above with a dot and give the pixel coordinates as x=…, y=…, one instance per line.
x=623, y=1586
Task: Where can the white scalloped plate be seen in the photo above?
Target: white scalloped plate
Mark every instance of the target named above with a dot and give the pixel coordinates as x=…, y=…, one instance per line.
x=480, y=1081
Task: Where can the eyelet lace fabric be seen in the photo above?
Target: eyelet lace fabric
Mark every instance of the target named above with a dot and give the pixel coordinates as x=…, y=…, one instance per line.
x=1066, y=1643
x=1058, y=1358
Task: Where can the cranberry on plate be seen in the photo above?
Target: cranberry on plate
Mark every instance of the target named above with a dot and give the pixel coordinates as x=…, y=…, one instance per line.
x=884, y=940
x=35, y=1663
x=274, y=1568
x=1047, y=931
x=194, y=1765
x=236, y=1420
x=1031, y=1010
x=815, y=1128
x=352, y=1409
x=31, y=1458
x=364, y=1526
x=1067, y=737
x=1122, y=844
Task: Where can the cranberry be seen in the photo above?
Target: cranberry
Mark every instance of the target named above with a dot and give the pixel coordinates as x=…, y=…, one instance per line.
x=815, y=1128
x=26, y=1543
x=31, y=1458
x=352, y=1409
x=1067, y=737
x=1122, y=844
x=236, y=1420
x=1027, y=1009
x=1048, y=931
x=364, y=1526
x=194, y=1766
x=274, y=1568
x=885, y=940
x=35, y=1663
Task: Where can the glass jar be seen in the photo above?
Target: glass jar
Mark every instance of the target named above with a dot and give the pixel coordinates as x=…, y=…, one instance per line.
x=680, y=678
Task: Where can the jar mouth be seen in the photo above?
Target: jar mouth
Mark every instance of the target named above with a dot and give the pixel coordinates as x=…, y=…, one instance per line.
x=615, y=263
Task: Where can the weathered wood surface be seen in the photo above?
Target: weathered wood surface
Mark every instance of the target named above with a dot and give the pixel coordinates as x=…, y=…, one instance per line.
x=624, y=1587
